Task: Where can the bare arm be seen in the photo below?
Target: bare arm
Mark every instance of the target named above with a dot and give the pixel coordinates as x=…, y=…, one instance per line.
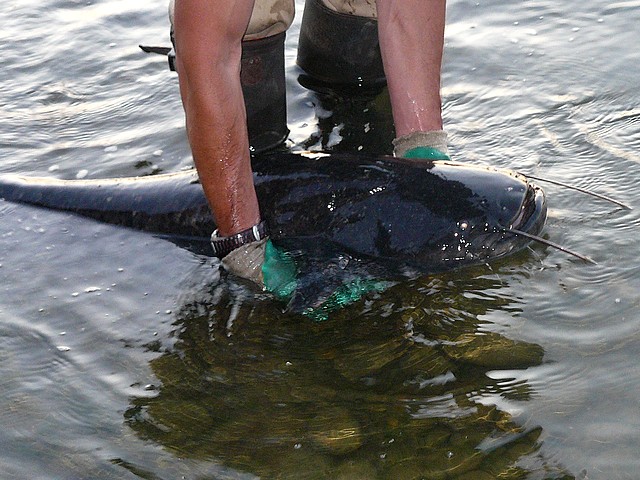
x=208, y=36
x=411, y=41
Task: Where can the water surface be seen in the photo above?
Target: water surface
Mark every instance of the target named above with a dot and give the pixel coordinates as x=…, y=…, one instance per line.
x=125, y=356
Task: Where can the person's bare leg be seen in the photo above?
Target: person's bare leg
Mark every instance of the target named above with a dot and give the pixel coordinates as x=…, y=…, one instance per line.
x=411, y=36
x=208, y=36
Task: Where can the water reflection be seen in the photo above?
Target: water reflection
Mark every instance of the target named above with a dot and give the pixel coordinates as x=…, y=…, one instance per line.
x=388, y=388
x=350, y=119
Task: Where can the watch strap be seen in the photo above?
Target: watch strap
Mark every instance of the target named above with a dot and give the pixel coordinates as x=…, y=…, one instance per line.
x=222, y=246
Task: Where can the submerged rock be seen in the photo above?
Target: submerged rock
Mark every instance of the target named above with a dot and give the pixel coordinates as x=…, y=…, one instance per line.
x=335, y=431
x=494, y=351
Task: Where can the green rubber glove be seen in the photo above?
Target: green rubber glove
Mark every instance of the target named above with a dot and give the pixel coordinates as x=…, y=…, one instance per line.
x=278, y=272
x=422, y=145
x=275, y=270
x=344, y=295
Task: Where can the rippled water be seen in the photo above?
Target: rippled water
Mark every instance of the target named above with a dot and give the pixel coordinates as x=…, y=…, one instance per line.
x=124, y=356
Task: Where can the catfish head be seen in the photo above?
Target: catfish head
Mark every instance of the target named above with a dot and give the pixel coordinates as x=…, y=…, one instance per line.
x=430, y=215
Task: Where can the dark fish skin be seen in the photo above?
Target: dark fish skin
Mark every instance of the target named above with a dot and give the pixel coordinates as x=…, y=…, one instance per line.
x=432, y=216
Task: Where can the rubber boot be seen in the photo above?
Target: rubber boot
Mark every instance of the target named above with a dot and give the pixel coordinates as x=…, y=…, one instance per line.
x=263, y=86
x=339, y=49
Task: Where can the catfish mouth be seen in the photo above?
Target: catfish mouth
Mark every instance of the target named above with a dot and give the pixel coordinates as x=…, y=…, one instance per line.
x=533, y=212
x=474, y=243
x=529, y=219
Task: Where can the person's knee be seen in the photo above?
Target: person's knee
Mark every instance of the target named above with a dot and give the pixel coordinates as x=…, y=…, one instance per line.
x=338, y=43
x=360, y=8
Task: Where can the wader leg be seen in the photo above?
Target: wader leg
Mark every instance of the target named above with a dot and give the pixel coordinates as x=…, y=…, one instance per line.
x=263, y=86
x=338, y=48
